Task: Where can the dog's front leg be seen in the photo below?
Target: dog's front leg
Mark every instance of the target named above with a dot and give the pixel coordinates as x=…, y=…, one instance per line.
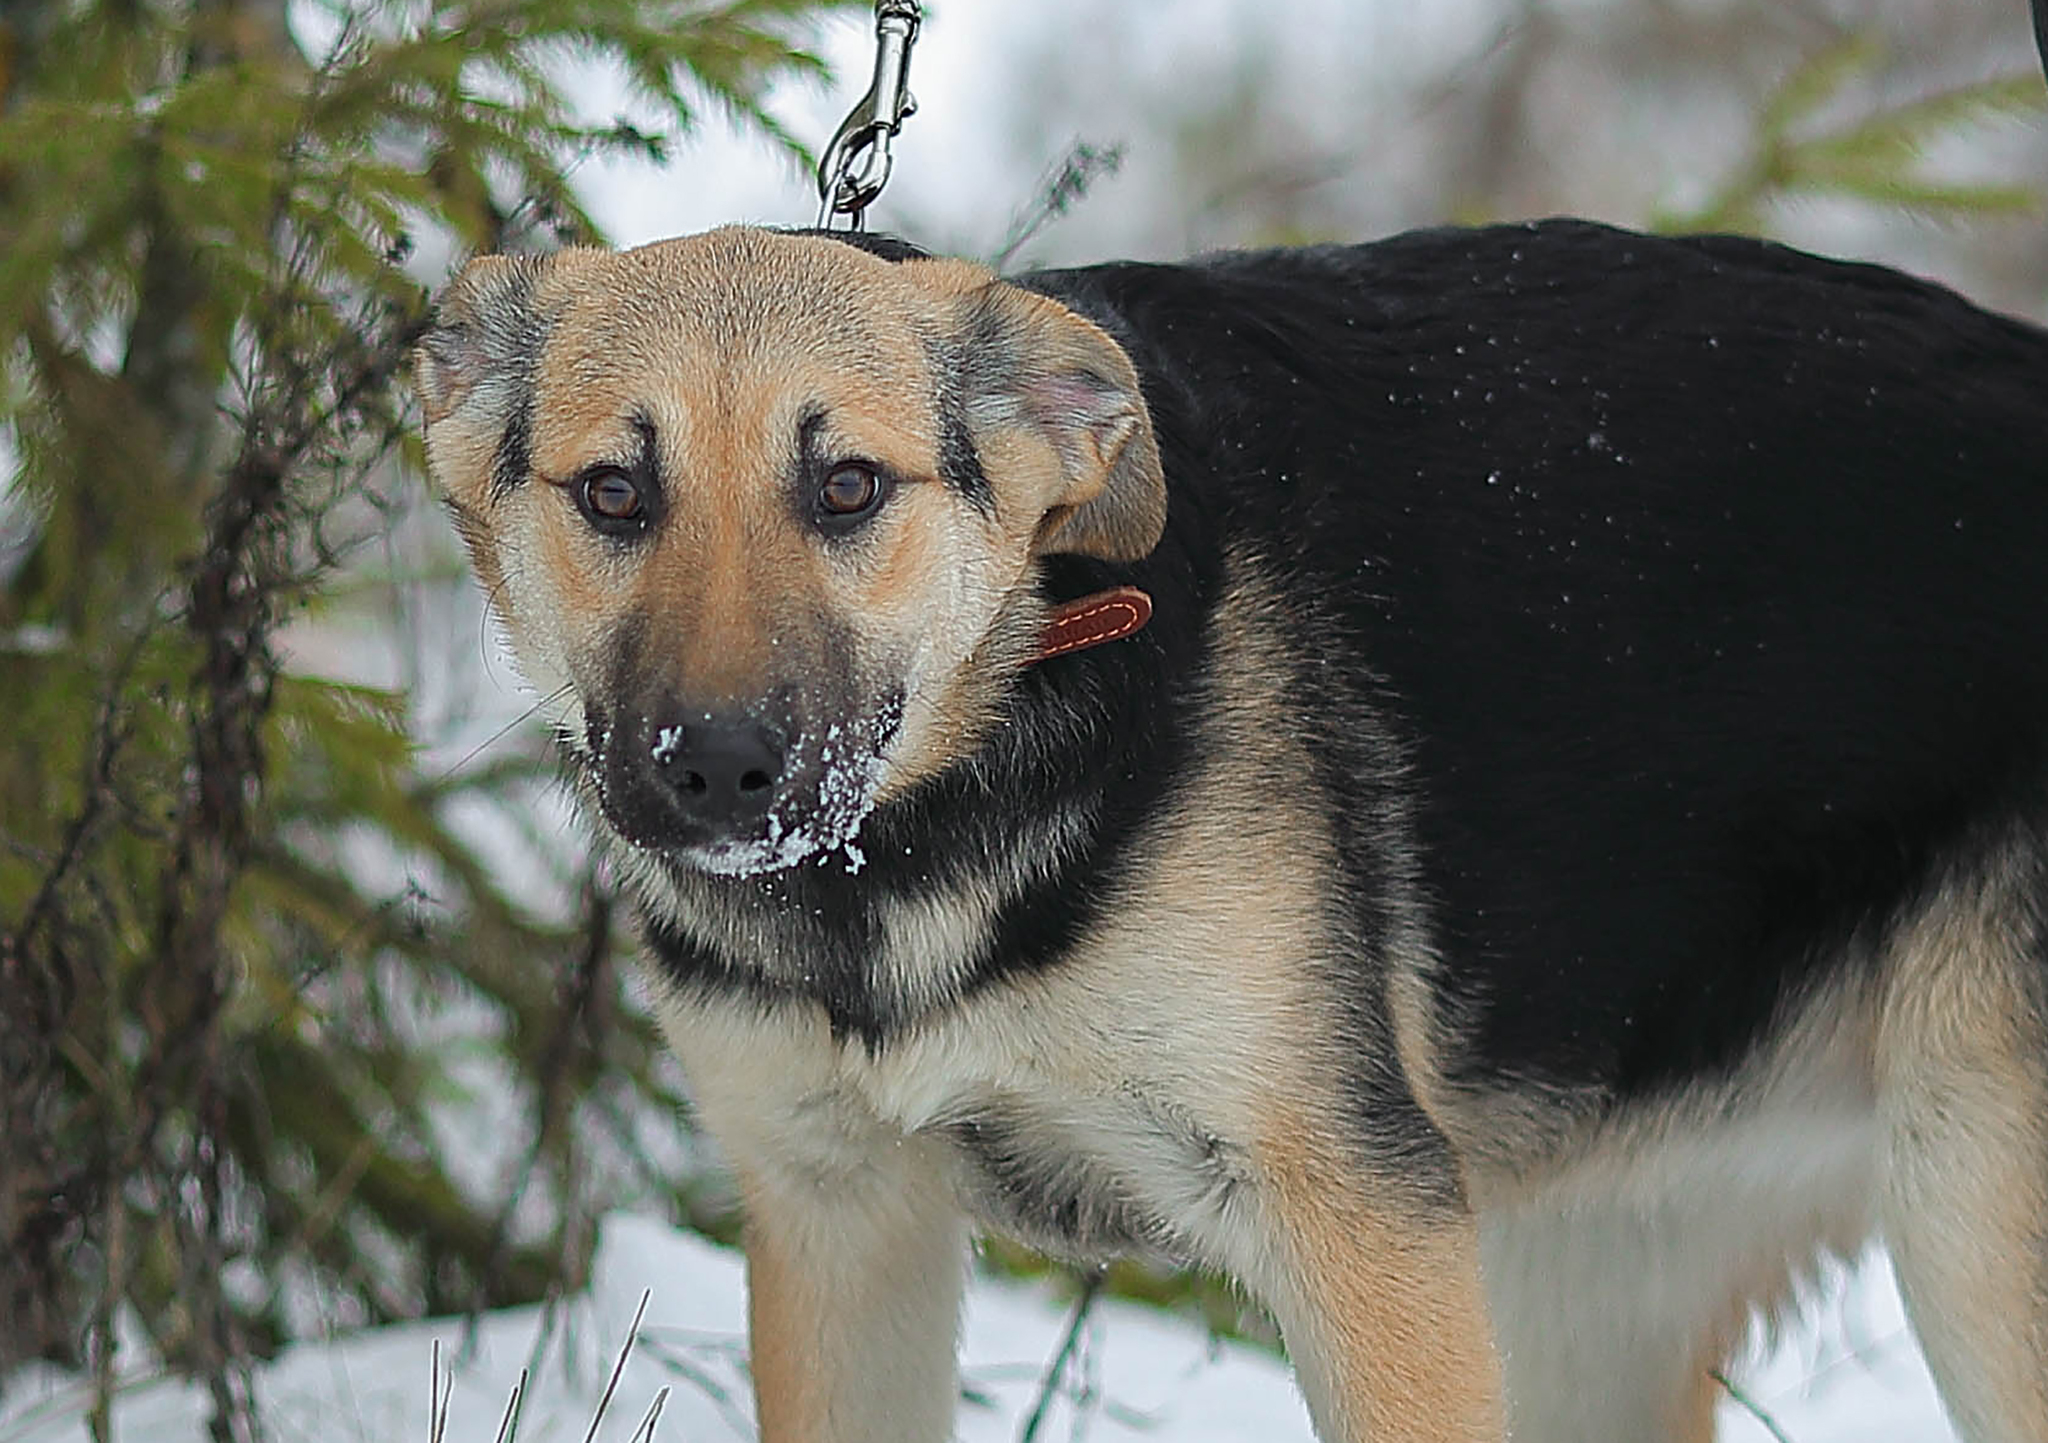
x=854, y=1284
x=1378, y=1296
x=856, y=1250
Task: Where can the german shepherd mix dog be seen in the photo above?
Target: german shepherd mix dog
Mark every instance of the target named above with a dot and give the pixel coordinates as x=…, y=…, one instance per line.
x=1569, y=848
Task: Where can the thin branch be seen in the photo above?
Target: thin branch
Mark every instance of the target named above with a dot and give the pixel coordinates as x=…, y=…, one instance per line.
x=437, y=1404
x=1056, y=1370
x=1065, y=186
x=1750, y=1405
x=508, y=1426
x=554, y=1073
x=645, y=1432
x=625, y=1351
x=99, y=785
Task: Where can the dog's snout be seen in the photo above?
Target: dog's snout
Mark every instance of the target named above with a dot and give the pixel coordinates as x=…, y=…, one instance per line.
x=720, y=770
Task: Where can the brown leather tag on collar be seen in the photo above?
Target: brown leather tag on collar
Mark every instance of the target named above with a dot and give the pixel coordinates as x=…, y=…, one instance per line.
x=1091, y=620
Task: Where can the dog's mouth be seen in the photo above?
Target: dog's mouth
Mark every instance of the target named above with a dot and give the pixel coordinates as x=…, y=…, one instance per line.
x=800, y=799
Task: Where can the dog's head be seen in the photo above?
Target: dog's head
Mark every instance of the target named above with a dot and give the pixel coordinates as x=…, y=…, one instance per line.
x=768, y=508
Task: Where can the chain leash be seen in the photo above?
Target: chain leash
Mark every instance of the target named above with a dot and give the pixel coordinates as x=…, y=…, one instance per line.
x=855, y=166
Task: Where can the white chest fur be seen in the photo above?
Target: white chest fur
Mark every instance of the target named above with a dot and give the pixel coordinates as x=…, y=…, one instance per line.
x=1059, y=1114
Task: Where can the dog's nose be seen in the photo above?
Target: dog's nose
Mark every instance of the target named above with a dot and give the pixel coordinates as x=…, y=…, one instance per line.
x=721, y=771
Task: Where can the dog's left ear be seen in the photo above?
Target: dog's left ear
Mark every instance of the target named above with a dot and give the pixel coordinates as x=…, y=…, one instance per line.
x=1030, y=362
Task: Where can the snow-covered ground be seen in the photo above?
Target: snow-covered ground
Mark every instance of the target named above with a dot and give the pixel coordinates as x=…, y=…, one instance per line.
x=1136, y=1372
x=1854, y=1377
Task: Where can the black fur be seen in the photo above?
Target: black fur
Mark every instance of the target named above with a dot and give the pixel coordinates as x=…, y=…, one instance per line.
x=1696, y=584
x=875, y=243
x=518, y=353
x=959, y=462
x=514, y=460
x=1699, y=579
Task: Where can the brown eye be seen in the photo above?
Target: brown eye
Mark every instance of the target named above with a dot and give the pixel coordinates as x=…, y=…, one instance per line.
x=849, y=491
x=609, y=495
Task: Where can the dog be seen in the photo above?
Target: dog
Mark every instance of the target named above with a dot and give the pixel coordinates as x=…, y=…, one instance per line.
x=1491, y=785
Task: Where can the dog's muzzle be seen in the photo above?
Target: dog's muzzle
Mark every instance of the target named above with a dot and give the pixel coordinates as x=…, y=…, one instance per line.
x=733, y=794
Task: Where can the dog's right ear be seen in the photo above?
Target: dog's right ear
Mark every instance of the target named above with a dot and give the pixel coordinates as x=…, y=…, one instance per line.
x=486, y=334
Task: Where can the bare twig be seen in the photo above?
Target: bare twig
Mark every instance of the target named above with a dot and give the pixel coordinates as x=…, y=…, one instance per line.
x=674, y=1355
x=1750, y=1406
x=645, y=1432
x=586, y=987
x=1063, y=188
x=1056, y=1370
x=437, y=1404
x=508, y=1426
x=625, y=1351
x=99, y=785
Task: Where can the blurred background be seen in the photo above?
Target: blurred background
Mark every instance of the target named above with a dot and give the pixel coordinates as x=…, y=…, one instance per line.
x=1868, y=128
x=314, y=1012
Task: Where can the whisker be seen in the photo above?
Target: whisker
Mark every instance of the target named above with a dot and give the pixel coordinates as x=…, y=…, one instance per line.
x=504, y=731
x=483, y=634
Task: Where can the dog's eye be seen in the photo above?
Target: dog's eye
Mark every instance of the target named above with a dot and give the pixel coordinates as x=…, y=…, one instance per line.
x=609, y=497
x=849, y=492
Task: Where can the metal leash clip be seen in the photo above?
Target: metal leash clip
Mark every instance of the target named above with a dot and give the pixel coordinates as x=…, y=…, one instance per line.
x=855, y=166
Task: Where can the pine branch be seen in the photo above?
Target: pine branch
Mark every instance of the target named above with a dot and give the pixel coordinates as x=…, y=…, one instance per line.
x=203, y=326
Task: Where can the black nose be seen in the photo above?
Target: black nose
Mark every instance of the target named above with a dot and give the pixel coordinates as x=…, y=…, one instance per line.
x=721, y=771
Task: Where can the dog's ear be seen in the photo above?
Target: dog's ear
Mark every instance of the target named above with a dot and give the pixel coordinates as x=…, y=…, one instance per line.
x=1029, y=362
x=486, y=332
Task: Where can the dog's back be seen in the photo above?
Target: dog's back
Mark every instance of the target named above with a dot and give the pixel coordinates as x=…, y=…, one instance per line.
x=1701, y=583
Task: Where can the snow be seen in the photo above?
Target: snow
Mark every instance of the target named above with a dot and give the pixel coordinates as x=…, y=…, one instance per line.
x=1139, y=1373
x=1853, y=1375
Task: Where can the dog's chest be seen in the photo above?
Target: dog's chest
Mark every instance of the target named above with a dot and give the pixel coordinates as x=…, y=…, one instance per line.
x=1091, y=1157
x=1107, y=1099
x=1081, y=1123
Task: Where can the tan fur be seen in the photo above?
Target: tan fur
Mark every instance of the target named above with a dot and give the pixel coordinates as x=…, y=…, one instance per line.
x=722, y=341
x=963, y=712
x=791, y=1391
x=1381, y=1304
x=856, y=1255
x=1384, y=1315
x=1964, y=1073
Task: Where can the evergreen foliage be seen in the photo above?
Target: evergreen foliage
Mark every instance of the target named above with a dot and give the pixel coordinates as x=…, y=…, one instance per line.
x=1874, y=158
x=221, y=1043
